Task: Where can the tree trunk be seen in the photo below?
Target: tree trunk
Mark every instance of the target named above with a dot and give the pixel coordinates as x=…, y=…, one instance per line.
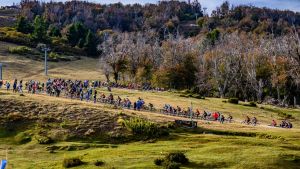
x=260, y=91
x=221, y=91
x=107, y=77
x=116, y=76
x=278, y=93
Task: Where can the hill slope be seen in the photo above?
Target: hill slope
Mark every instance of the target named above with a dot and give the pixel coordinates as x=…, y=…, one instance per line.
x=212, y=145
x=19, y=67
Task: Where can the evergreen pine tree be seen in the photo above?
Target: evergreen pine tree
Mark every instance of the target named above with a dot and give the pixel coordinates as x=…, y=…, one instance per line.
x=23, y=25
x=40, y=29
x=90, y=45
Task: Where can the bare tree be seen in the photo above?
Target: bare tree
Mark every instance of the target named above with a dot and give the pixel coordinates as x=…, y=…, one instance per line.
x=114, y=53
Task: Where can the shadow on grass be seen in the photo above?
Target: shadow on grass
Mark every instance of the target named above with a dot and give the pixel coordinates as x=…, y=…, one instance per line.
x=200, y=130
x=206, y=166
x=288, y=161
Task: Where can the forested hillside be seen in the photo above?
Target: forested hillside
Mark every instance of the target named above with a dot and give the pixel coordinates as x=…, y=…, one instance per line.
x=244, y=52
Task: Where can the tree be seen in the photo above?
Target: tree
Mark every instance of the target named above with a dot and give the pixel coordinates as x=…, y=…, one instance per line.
x=90, y=45
x=213, y=36
x=54, y=32
x=24, y=26
x=72, y=35
x=40, y=30
x=76, y=34
x=114, y=54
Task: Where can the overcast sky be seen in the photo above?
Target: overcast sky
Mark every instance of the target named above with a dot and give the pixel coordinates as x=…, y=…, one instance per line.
x=293, y=5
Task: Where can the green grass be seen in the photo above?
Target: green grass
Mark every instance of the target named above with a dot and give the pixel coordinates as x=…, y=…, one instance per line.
x=203, y=151
x=212, y=146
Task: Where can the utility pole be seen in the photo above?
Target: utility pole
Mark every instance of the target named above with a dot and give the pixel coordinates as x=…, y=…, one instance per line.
x=191, y=112
x=191, y=115
x=45, y=49
x=1, y=71
x=204, y=12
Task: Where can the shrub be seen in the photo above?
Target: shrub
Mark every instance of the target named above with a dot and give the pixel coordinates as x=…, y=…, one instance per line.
x=55, y=57
x=177, y=157
x=159, y=161
x=22, y=138
x=141, y=127
x=233, y=100
x=200, y=22
x=44, y=140
x=59, y=135
x=11, y=35
x=252, y=104
x=98, y=163
x=172, y=160
x=121, y=121
x=171, y=125
x=198, y=96
x=72, y=162
x=172, y=165
x=20, y=50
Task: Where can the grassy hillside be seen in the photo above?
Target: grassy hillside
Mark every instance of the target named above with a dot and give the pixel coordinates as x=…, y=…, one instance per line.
x=8, y=17
x=16, y=66
x=212, y=145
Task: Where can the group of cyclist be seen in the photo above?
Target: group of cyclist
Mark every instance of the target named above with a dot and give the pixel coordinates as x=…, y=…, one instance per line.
x=250, y=121
x=189, y=113
x=86, y=90
x=284, y=124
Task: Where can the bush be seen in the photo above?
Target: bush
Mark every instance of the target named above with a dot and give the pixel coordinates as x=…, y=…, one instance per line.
x=20, y=50
x=159, y=161
x=11, y=35
x=252, y=104
x=141, y=127
x=53, y=56
x=171, y=125
x=59, y=135
x=177, y=157
x=99, y=163
x=44, y=140
x=72, y=162
x=172, y=160
x=121, y=121
x=233, y=100
x=22, y=138
x=173, y=165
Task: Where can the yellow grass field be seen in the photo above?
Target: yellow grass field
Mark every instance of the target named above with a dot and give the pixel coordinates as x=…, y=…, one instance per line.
x=18, y=67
